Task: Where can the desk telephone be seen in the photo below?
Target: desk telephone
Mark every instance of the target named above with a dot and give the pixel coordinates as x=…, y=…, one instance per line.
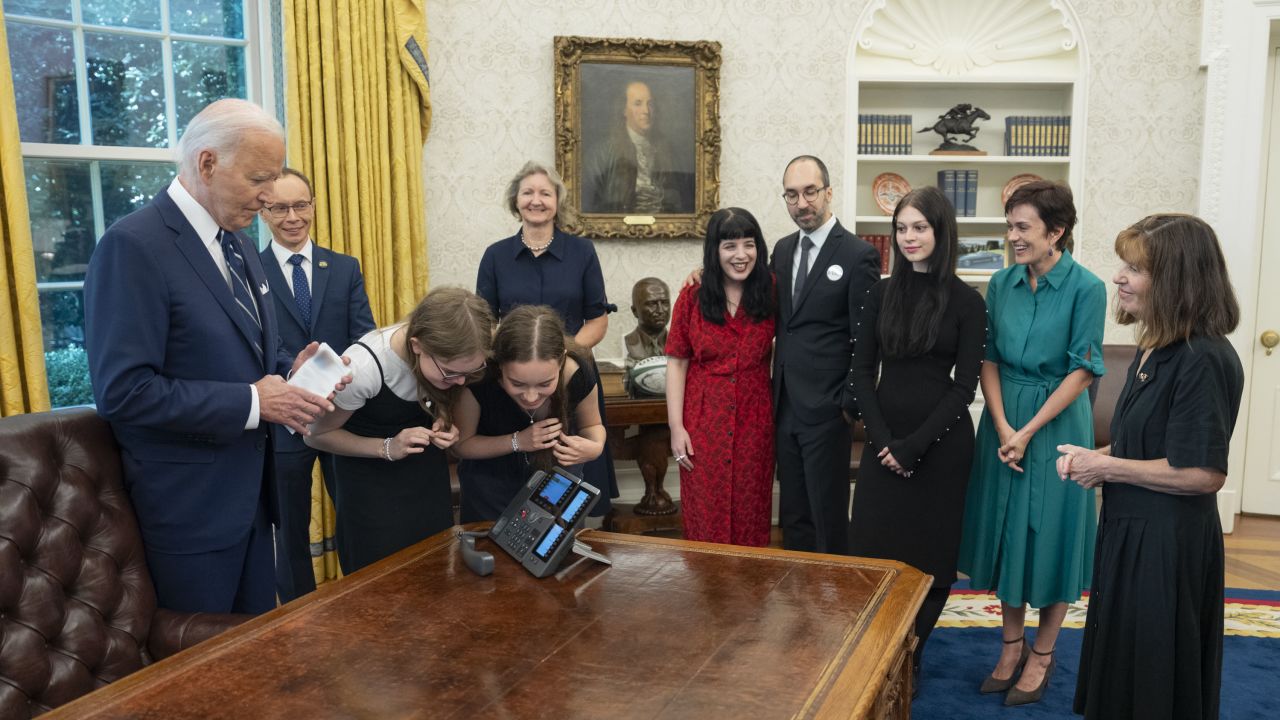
x=538, y=527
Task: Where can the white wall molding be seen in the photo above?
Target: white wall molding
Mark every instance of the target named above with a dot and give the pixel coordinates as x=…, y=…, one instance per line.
x=1234, y=55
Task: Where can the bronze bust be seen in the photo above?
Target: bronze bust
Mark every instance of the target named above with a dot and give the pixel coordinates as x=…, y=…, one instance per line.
x=651, y=306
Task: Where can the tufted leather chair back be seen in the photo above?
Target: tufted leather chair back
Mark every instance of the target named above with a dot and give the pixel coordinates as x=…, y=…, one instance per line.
x=76, y=600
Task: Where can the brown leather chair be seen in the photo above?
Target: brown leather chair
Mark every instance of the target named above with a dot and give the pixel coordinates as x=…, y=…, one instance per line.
x=859, y=433
x=77, y=607
x=1116, y=358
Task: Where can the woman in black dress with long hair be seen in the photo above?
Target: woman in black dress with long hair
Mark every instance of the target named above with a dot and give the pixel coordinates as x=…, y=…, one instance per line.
x=917, y=326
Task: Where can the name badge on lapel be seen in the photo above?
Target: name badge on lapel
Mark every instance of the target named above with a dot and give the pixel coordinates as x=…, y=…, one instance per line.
x=835, y=272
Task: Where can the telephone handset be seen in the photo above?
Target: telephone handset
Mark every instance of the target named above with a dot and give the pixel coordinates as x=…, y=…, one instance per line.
x=539, y=525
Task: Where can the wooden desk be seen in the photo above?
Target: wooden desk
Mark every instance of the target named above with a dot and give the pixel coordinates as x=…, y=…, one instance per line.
x=674, y=629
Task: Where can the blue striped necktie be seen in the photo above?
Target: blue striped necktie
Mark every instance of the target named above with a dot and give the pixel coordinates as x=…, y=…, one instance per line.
x=240, y=283
x=301, y=291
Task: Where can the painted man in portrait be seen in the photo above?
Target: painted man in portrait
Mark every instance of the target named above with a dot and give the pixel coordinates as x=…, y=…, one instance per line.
x=634, y=171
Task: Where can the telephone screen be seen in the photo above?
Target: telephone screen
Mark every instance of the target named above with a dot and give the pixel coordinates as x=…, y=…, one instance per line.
x=548, y=542
x=575, y=506
x=552, y=491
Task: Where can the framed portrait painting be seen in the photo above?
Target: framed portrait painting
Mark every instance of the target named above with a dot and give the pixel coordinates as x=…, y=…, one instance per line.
x=638, y=134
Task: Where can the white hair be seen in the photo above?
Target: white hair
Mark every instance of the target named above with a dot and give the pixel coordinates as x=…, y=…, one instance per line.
x=220, y=127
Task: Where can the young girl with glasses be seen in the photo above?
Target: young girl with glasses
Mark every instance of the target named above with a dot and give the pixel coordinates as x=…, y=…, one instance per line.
x=395, y=419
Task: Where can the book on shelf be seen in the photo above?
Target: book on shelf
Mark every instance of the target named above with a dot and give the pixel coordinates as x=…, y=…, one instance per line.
x=1039, y=136
x=881, y=244
x=884, y=134
x=961, y=188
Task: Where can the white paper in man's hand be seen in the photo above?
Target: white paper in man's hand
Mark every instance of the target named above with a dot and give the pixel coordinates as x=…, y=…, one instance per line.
x=320, y=373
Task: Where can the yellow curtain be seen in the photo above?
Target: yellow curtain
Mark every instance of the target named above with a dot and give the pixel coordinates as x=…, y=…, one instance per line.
x=357, y=111
x=23, y=386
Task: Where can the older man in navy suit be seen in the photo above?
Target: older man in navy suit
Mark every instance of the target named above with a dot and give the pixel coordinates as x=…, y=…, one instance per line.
x=319, y=296
x=186, y=365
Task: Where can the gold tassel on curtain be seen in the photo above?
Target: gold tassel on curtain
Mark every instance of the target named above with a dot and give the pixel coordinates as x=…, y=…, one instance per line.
x=357, y=109
x=23, y=386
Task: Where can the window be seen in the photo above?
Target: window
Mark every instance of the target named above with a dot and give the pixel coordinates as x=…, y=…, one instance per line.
x=103, y=89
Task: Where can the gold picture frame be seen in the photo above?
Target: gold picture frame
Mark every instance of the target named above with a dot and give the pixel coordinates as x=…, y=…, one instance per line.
x=638, y=135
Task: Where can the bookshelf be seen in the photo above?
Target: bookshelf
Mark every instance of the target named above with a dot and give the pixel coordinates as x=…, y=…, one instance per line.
x=1012, y=58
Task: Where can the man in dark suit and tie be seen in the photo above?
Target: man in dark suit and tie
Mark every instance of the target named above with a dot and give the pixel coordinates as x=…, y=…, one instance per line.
x=823, y=273
x=186, y=365
x=319, y=296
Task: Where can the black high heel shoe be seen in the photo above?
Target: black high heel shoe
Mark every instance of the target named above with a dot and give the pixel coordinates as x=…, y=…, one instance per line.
x=1026, y=697
x=995, y=685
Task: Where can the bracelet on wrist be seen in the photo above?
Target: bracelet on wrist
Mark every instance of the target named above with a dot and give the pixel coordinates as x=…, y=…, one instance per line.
x=515, y=442
x=386, y=450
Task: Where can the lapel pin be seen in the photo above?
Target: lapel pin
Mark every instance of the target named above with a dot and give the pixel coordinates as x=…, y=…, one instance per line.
x=263, y=289
x=1142, y=376
x=835, y=272
x=323, y=263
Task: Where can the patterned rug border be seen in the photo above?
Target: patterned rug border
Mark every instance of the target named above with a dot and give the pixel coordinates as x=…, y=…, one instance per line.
x=1255, y=616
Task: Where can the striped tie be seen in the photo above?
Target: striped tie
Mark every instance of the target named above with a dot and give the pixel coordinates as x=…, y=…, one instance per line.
x=240, y=283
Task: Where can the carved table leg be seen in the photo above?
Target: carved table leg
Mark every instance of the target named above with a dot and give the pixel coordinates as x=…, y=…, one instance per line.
x=652, y=450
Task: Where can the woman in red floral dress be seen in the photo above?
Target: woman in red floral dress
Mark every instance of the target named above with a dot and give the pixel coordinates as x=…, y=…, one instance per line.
x=719, y=401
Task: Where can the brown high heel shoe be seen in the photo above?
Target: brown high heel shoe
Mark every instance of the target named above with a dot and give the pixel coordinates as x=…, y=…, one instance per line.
x=995, y=685
x=1026, y=697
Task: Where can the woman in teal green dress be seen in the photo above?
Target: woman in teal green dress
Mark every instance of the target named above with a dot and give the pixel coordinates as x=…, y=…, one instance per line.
x=1028, y=535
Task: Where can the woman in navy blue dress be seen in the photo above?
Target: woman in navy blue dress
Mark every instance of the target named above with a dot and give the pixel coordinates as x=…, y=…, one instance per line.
x=543, y=265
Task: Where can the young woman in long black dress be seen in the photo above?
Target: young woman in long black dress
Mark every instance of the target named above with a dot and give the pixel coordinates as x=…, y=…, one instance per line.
x=917, y=325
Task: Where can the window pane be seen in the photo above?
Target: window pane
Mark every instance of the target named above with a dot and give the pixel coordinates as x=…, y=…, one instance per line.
x=219, y=18
x=57, y=9
x=44, y=83
x=61, y=208
x=202, y=73
x=143, y=14
x=127, y=186
x=62, y=315
x=126, y=90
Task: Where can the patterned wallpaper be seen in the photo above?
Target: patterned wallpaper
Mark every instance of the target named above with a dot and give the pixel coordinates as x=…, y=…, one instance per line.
x=782, y=94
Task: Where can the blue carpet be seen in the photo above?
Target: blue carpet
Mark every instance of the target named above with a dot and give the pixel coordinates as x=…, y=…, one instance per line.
x=958, y=658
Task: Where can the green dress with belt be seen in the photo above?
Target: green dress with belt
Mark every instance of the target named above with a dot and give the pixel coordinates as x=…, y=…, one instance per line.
x=1029, y=535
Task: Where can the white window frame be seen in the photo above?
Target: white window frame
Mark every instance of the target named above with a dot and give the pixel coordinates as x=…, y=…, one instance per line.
x=259, y=88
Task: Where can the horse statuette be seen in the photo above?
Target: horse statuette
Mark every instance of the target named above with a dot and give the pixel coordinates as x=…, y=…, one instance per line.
x=954, y=123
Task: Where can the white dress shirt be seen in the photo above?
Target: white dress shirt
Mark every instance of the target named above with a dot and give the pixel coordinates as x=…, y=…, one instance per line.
x=817, y=237
x=207, y=230
x=283, y=254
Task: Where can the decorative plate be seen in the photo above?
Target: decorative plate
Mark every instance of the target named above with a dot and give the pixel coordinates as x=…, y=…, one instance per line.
x=887, y=189
x=1014, y=183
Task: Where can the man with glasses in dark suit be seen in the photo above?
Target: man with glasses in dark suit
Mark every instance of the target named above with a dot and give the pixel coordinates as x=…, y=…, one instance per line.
x=823, y=273
x=319, y=296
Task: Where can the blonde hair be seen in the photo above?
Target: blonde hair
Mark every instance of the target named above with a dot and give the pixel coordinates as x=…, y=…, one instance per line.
x=448, y=323
x=565, y=215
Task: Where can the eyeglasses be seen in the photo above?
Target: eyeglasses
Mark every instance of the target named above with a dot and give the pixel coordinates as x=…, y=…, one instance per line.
x=446, y=375
x=810, y=194
x=301, y=208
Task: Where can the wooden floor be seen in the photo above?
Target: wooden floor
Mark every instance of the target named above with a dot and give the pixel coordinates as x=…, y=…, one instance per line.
x=1253, y=553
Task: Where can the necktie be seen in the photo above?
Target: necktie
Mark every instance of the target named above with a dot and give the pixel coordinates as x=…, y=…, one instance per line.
x=240, y=283
x=301, y=292
x=805, y=246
